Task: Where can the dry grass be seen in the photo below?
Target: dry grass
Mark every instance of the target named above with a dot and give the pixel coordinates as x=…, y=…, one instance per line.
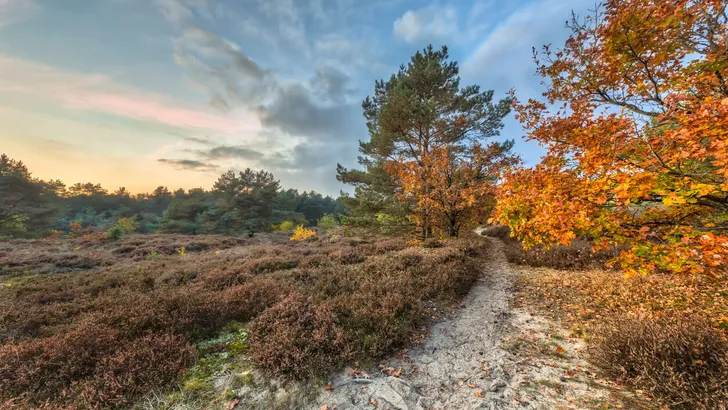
x=681, y=360
x=90, y=324
x=664, y=334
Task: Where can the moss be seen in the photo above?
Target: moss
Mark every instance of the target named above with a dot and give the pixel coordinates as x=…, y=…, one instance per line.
x=243, y=379
x=218, y=357
x=549, y=383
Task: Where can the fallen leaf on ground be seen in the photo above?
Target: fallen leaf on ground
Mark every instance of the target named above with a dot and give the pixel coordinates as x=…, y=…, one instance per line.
x=478, y=394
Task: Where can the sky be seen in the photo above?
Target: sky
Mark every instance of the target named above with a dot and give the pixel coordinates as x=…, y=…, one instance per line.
x=143, y=93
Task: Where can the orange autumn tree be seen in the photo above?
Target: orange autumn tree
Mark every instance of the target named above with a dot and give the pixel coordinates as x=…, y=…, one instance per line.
x=635, y=121
x=425, y=132
x=455, y=188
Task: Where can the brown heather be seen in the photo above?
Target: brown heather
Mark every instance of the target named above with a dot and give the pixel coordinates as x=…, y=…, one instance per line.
x=89, y=324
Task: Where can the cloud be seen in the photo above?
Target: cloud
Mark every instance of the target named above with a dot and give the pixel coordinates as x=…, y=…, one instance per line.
x=431, y=22
x=229, y=152
x=100, y=94
x=308, y=108
x=504, y=57
x=314, y=109
x=188, y=164
x=174, y=10
x=15, y=11
x=221, y=69
x=197, y=140
x=331, y=85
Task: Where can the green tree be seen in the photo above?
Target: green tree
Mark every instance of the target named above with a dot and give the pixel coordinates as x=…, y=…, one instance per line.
x=23, y=200
x=247, y=199
x=420, y=109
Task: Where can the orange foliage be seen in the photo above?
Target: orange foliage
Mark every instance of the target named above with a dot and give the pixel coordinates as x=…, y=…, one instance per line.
x=635, y=121
x=452, y=188
x=301, y=234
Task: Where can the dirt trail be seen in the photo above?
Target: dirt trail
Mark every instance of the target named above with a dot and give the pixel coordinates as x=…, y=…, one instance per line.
x=460, y=361
x=486, y=355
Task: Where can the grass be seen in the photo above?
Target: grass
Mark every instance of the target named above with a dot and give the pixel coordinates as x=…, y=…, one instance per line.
x=87, y=323
x=664, y=334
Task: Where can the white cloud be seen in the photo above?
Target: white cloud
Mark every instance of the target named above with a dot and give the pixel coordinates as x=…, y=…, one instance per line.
x=504, y=57
x=428, y=22
x=15, y=11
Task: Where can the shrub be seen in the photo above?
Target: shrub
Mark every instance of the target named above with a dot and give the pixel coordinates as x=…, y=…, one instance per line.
x=285, y=226
x=77, y=229
x=268, y=264
x=681, y=360
x=576, y=256
x=245, y=302
x=129, y=225
x=297, y=339
x=389, y=224
x=114, y=233
x=328, y=222
x=301, y=234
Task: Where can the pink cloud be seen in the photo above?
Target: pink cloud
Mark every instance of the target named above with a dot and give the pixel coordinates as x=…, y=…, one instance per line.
x=98, y=93
x=138, y=108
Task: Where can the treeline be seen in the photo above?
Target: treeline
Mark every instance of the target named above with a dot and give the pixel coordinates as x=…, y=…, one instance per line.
x=238, y=203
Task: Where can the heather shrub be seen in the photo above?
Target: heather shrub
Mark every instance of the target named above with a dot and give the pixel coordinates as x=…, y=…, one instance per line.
x=121, y=323
x=246, y=301
x=576, y=256
x=297, y=338
x=136, y=367
x=381, y=315
x=270, y=264
x=682, y=360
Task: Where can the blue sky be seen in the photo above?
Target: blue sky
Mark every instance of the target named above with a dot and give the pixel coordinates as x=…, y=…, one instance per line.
x=141, y=93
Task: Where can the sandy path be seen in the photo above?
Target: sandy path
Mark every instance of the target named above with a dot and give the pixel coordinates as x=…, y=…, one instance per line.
x=460, y=366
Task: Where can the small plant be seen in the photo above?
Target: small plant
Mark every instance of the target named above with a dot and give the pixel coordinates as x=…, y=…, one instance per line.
x=55, y=234
x=77, y=229
x=301, y=234
x=285, y=226
x=129, y=225
x=114, y=233
x=181, y=251
x=152, y=255
x=328, y=222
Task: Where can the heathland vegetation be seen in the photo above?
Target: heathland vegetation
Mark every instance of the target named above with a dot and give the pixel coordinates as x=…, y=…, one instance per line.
x=108, y=298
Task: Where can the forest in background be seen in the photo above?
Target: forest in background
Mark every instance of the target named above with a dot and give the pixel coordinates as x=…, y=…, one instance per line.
x=242, y=203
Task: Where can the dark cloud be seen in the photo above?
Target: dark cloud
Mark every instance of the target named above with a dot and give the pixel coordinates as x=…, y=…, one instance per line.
x=188, y=164
x=296, y=112
x=331, y=85
x=231, y=151
x=198, y=140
